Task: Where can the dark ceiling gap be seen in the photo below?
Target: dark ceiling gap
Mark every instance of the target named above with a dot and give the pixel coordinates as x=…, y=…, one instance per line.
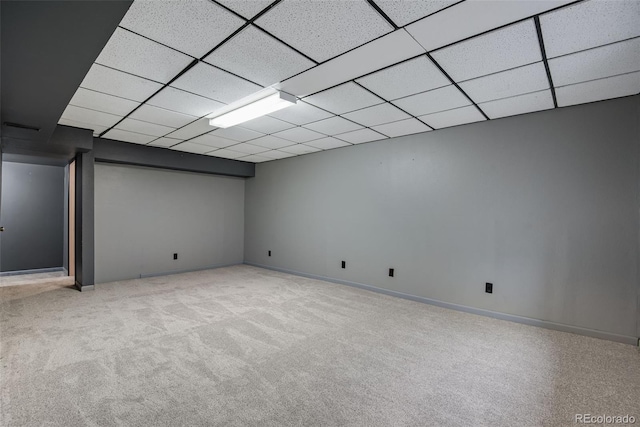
x=543, y=52
x=382, y=14
x=156, y=41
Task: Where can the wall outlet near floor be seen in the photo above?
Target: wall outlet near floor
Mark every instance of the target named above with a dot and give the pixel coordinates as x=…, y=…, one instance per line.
x=392, y=271
x=269, y=253
x=344, y=264
x=175, y=256
x=488, y=288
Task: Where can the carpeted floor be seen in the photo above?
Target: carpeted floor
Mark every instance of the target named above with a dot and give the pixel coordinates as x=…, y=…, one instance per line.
x=244, y=346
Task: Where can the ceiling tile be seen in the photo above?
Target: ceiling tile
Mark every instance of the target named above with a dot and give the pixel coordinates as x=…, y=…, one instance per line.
x=298, y=134
x=404, y=12
x=126, y=136
x=360, y=136
x=402, y=127
x=114, y=82
x=227, y=154
x=596, y=90
x=166, y=21
x=272, y=142
x=214, y=141
x=191, y=147
x=441, y=99
x=416, y=75
x=160, y=116
x=145, y=128
x=256, y=158
x=339, y=25
x=237, y=134
x=247, y=148
x=457, y=116
x=518, y=104
x=328, y=143
x=377, y=115
x=184, y=102
x=333, y=126
x=605, y=61
x=93, y=117
x=589, y=24
x=257, y=56
x=344, y=98
x=134, y=54
x=499, y=50
x=530, y=78
x=246, y=8
x=300, y=149
x=301, y=113
x=165, y=142
x=379, y=53
x=276, y=154
x=102, y=102
x=472, y=17
x=266, y=124
x=97, y=129
x=205, y=80
x=193, y=129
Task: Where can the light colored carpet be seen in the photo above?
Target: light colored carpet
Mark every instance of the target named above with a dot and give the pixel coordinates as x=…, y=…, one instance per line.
x=245, y=346
x=54, y=277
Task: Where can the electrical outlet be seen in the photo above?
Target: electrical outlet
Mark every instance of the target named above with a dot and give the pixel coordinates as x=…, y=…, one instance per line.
x=344, y=264
x=391, y=272
x=175, y=256
x=488, y=288
x=269, y=253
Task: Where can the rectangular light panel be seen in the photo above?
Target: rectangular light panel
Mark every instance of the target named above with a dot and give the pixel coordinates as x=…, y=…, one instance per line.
x=261, y=107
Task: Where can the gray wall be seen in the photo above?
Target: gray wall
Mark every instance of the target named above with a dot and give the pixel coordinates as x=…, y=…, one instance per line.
x=143, y=216
x=33, y=215
x=543, y=205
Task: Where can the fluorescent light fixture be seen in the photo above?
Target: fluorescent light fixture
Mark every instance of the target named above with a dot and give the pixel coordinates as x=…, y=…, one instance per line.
x=261, y=107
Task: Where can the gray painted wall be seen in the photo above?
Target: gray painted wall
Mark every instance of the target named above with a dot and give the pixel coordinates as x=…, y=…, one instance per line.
x=144, y=215
x=33, y=216
x=543, y=205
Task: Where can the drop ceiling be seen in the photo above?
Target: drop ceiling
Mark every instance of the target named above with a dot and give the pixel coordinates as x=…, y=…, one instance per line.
x=363, y=70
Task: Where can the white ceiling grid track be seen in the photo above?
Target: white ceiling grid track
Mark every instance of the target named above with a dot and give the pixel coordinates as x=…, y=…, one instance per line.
x=363, y=70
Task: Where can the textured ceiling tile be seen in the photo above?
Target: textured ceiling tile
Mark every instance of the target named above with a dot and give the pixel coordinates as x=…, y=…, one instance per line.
x=344, y=98
x=126, y=136
x=237, y=133
x=246, y=8
x=589, y=24
x=266, y=124
x=205, y=80
x=192, y=129
x=93, y=117
x=247, y=148
x=597, y=90
x=498, y=50
x=165, y=142
x=301, y=113
x=226, y=154
x=298, y=134
x=441, y=99
x=328, y=143
x=377, y=115
x=272, y=142
x=160, y=116
x=117, y=83
x=403, y=127
x=145, y=128
x=402, y=12
x=360, y=136
x=193, y=27
x=256, y=56
x=255, y=158
x=212, y=140
x=530, y=78
x=605, y=61
x=324, y=29
x=416, y=75
x=518, y=104
x=136, y=55
x=333, y=126
x=190, y=147
x=102, y=102
x=276, y=154
x=184, y=102
x=453, y=117
x=300, y=149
